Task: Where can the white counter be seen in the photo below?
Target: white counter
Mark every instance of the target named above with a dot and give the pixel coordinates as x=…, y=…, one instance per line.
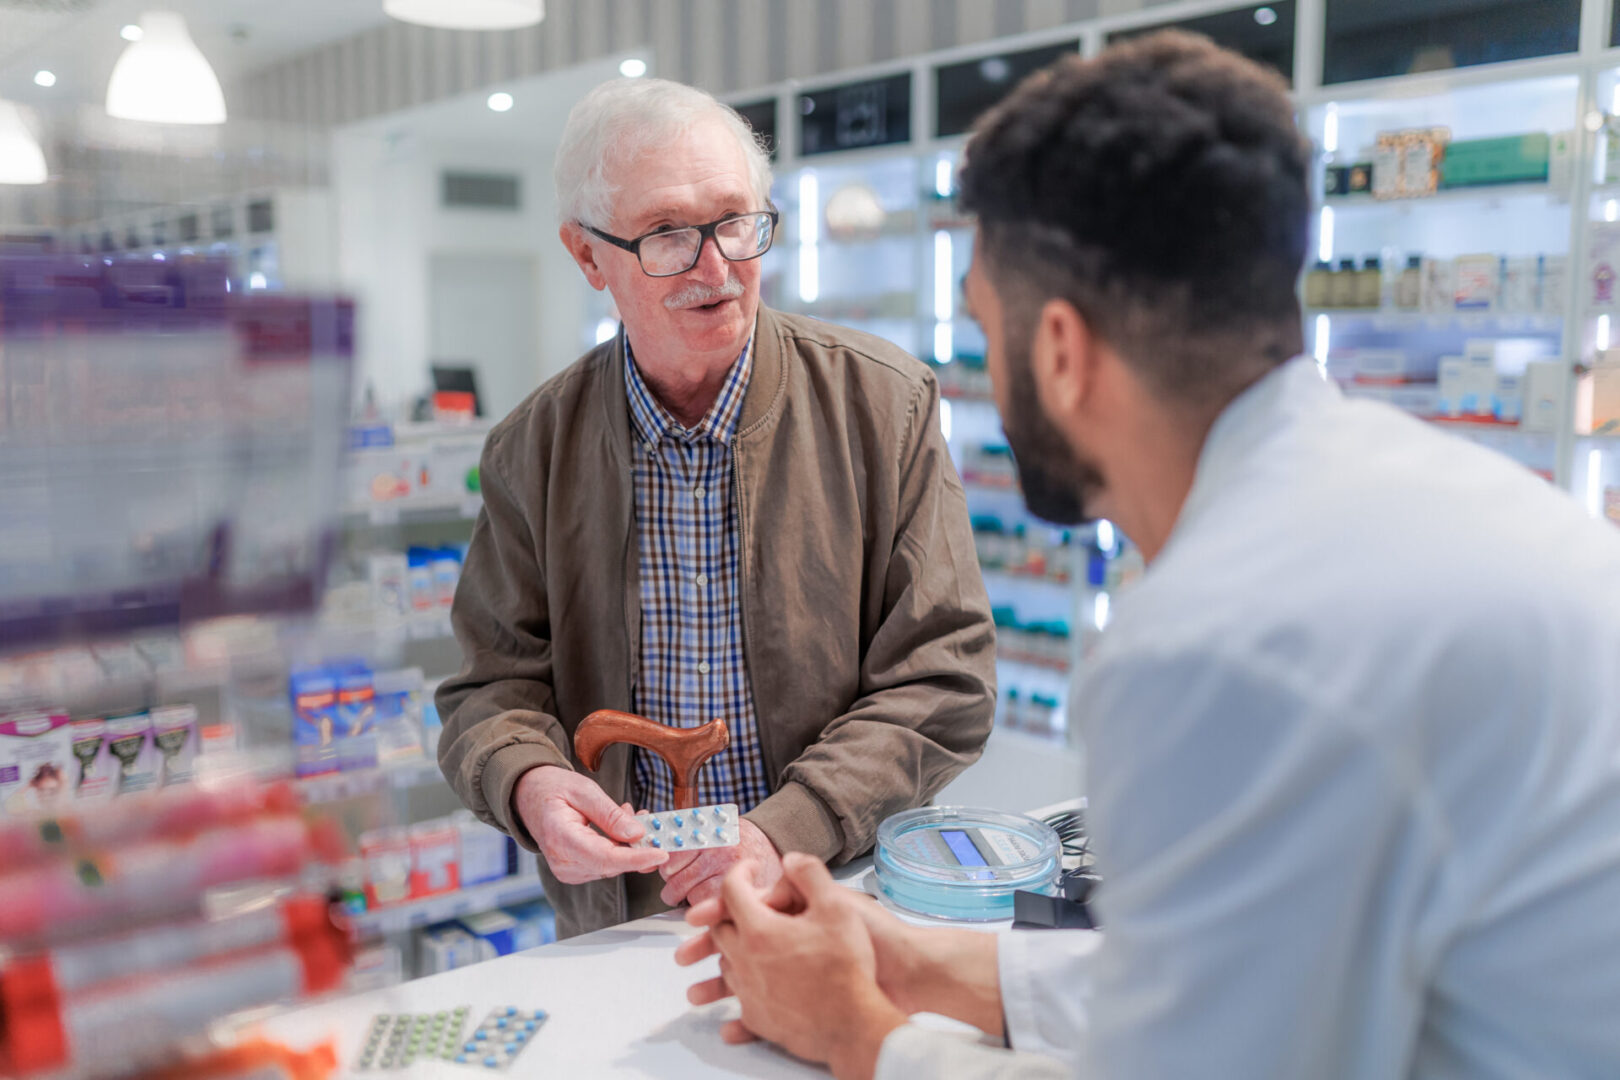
x=617, y=1003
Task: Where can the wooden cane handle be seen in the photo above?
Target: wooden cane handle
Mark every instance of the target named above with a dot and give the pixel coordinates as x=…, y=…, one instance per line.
x=683, y=749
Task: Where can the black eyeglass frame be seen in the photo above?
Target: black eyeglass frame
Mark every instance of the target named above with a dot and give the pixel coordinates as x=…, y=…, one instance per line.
x=705, y=235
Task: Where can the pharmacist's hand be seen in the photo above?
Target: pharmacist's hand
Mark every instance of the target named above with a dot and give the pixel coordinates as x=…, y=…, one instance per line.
x=559, y=806
x=696, y=876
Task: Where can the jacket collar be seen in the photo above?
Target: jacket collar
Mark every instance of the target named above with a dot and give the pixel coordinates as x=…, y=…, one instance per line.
x=767, y=385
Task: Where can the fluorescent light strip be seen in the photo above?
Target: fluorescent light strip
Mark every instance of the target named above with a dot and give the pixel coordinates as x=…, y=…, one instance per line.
x=944, y=277
x=1330, y=130
x=1324, y=235
x=944, y=347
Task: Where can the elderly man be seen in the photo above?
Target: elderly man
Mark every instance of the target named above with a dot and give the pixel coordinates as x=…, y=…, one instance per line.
x=723, y=512
x=1354, y=740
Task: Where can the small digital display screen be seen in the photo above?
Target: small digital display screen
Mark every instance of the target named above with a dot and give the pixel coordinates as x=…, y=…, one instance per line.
x=962, y=847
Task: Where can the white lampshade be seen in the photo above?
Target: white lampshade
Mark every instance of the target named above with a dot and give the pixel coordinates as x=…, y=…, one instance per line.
x=21, y=159
x=164, y=77
x=468, y=14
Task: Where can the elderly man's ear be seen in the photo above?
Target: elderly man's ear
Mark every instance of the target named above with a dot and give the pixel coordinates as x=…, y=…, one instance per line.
x=580, y=246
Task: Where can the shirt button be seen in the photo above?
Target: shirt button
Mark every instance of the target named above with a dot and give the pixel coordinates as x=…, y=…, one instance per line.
x=702, y=579
x=703, y=667
x=697, y=493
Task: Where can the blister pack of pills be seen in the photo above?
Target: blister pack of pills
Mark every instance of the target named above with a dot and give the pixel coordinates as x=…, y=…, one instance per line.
x=690, y=830
x=400, y=1040
x=497, y=1042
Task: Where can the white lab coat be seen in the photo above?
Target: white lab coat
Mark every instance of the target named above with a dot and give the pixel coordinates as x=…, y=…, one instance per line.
x=1353, y=762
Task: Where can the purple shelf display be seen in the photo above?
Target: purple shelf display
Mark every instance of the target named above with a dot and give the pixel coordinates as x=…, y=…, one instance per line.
x=169, y=451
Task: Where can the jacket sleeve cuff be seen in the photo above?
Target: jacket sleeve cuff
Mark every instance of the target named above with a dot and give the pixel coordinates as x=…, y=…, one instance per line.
x=796, y=819
x=502, y=771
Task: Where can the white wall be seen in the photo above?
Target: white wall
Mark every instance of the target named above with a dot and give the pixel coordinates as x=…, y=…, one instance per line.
x=386, y=181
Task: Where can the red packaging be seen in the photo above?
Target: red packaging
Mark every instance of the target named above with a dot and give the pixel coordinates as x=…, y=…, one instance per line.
x=435, y=858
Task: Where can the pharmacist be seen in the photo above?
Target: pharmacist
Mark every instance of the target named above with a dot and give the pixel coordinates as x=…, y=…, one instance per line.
x=723, y=512
x=1353, y=741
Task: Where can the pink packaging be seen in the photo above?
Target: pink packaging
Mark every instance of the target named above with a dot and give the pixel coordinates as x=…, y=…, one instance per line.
x=36, y=763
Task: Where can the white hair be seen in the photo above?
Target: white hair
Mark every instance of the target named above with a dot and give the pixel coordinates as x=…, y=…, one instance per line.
x=624, y=117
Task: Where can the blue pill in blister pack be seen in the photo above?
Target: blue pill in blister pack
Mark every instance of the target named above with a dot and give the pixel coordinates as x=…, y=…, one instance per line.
x=492, y=1061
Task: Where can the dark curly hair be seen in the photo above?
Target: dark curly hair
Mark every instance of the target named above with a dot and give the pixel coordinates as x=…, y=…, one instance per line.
x=1161, y=188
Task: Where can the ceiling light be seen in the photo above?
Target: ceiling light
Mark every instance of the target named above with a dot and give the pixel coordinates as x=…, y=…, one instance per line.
x=467, y=14
x=164, y=78
x=44, y=78
x=500, y=101
x=21, y=159
x=633, y=68
x=131, y=32
x=1265, y=16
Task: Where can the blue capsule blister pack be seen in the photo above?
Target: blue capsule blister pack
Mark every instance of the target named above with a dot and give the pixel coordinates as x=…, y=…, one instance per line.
x=690, y=830
x=497, y=1042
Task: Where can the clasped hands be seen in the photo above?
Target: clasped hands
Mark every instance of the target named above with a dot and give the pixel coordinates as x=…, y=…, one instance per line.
x=559, y=806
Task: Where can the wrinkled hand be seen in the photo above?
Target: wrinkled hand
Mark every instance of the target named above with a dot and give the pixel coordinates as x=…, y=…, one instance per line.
x=559, y=806
x=806, y=981
x=895, y=944
x=694, y=877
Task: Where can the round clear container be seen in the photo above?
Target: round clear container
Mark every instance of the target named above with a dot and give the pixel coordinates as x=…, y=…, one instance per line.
x=963, y=863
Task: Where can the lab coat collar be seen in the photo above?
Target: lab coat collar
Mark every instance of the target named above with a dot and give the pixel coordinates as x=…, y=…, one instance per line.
x=1282, y=396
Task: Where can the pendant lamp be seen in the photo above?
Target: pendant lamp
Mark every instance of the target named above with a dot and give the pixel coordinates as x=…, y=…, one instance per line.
x=21, y=159
x=468, y=14
x=164, y=78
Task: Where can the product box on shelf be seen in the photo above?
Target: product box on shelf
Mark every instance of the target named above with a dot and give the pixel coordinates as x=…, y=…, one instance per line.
x=387, y=857
x=498, y=934
x=1504, y=160
x=1554, y=284
x=1521, y=285
x=1476, y=279
x=538, y=919
x=1597, y=396
x=1603, y=267
x=1438, y=290
x=175, y=738
x=354, y=718
x=389, y=575
x=36, y=756
x=314, y=705
x=435, y=858
x=129, y=740
x=1542, y=391
x=483, y=850
x=398, y=715
x=445, y=948
x=96, y=771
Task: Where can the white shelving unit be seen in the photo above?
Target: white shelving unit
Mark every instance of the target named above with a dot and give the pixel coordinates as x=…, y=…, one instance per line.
x=399, y=918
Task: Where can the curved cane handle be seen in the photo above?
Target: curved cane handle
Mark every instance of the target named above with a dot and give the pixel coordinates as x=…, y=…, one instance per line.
x=683, y=749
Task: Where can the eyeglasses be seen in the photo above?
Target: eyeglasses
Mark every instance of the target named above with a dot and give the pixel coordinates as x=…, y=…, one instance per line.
x=667, y=252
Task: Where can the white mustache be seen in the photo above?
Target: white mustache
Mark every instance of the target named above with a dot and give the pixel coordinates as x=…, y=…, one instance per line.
x=698, y=293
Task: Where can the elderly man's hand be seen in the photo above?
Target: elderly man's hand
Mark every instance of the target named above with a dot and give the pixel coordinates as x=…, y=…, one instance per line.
x=806, y=981
x=694, y=877
x=559, y=806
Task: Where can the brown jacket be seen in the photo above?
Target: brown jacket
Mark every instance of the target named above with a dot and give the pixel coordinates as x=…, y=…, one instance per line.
x=866, y=628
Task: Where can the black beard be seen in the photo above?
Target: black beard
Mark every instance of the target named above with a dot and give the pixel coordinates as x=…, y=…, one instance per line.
x=1055, y=482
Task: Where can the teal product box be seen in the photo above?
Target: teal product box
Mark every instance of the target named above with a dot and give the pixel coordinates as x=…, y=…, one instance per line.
x=1510, y=160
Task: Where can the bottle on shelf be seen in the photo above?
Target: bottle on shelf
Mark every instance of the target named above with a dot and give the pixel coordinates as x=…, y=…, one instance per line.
x=1319, y=285
x=1344, y=281
x=1408, y=294
x=1370, y=283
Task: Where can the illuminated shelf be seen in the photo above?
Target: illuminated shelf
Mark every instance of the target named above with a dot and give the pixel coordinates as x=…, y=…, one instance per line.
x=1452, y=196
x=436, y=909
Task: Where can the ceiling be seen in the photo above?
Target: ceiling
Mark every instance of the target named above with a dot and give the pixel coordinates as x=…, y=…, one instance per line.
x=78, y=40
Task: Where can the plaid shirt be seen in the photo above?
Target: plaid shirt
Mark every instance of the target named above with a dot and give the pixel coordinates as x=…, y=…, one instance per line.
x=692, y=664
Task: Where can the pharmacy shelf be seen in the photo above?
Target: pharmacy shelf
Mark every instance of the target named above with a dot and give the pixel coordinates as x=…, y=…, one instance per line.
x=1453, y=196
x=347, y=785
x=1506, y=322
x=1024, y=576
x=419, y=511
x=517, y=889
